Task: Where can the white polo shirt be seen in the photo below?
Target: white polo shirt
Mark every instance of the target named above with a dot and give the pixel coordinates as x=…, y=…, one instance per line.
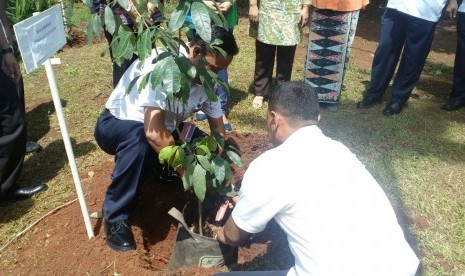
x=429, y=10
x=131, y=106
x=337, y=218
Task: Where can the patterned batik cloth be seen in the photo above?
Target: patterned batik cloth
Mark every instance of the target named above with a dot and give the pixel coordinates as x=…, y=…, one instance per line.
x=330, y=40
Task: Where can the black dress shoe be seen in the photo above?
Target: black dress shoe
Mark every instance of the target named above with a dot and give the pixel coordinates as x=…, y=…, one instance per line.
x=32, y=147
x=393, y=109
x=119, y=235
x=27, y=192
x=453, y=104
x=367, y=102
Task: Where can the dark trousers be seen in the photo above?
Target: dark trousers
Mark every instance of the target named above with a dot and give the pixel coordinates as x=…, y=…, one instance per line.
x=264, y=63
x=458, y=88
x=135, y=161
x=12, y=134
x=400, y=31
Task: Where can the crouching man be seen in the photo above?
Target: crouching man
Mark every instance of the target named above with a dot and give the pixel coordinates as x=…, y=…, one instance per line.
x=337, y=219
x=136, y=126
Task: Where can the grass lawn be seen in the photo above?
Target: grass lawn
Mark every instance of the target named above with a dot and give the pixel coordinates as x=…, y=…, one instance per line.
x=418, y=157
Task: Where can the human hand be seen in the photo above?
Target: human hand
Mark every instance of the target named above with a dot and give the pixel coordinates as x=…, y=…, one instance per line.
x=452, y=8
x=304, y=15
x=211, y=5
x=225, y=6
x=253, y=13
x=10, y=67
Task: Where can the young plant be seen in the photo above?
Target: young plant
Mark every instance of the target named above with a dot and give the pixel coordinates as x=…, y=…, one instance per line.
x=205, y=160
x=206, y=163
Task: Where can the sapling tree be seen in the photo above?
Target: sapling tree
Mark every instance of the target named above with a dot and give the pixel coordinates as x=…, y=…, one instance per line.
x=205, y=160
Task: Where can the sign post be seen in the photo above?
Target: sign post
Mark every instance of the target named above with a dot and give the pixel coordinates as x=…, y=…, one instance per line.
x=39, y=37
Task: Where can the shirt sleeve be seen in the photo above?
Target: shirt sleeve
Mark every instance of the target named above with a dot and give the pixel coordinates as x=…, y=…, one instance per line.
x=212, y=109
x=259, y=199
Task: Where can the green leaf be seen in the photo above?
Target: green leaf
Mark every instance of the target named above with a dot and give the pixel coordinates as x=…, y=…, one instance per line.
x=178, y=157
x=208, y=85
x=218, y=168
x=215, y=17
x=124, y=4
x=203, y=160
x=143, y=82
x=234, y=157
x=188, y=178
x=203, y=149
x=210, y=142
x=131, y=84
x=200, y=183
x=201, y=20
x=171, y=80
x=166, y=153
x=124, y=48
x=89, y=31
x=218, y=138
x=96, y=25
x=110, y=23
x=144, y=44
x=188, y=159
x=157, y=73
x=179, y=16
x=227, y=171
x=186, y=66
x=185, y=90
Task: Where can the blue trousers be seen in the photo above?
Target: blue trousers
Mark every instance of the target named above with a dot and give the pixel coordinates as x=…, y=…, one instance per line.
x=458, y=88
x=135, y=161
x=400, y=31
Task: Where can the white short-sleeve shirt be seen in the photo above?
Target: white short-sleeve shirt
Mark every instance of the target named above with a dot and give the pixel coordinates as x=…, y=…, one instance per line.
x=429, y=10
x=462, y=7
x=131, y=106
x=337, y=218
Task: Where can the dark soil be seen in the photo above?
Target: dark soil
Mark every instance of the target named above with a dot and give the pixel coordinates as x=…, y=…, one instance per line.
x=63, y=247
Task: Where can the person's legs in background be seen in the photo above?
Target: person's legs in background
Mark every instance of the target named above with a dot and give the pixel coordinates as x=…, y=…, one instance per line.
x=391, y=41
x=420, y=34
x=457, y=96
x=264, y=62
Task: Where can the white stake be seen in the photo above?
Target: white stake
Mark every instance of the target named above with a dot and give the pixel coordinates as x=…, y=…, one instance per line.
x=68, y=147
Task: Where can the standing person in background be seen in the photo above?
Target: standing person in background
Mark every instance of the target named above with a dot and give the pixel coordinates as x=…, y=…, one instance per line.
x=407, y=27
x=12, y=120
x=229, y=9
x=332, y=32
x=127, y=18
x=457, y=96
x=276, y=25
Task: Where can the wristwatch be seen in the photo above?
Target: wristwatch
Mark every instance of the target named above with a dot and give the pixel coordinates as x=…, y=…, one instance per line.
x=7, y=50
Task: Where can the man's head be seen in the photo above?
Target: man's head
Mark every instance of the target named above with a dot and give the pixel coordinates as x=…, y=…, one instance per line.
x=291, y=105
x=215, y=60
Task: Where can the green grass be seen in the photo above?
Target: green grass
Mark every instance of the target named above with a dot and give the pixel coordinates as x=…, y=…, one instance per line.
x=417, y=157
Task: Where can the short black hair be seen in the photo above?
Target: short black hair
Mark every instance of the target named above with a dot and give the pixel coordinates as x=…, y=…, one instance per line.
x=295, y=100
x=228, y=44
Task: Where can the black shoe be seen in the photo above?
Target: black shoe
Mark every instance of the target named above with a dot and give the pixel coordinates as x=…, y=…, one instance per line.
x=119, y=235
x=453, y=104
x=32, y=147
x=367, y=102
x=393, y=109
x=26, y=192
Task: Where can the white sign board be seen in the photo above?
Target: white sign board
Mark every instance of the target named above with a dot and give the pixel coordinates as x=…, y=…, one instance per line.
x=40, y=36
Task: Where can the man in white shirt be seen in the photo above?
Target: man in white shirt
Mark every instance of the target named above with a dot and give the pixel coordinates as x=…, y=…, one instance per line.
x=136, y=126
x=457, y=96
x=337, y=219
x=407, y=27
